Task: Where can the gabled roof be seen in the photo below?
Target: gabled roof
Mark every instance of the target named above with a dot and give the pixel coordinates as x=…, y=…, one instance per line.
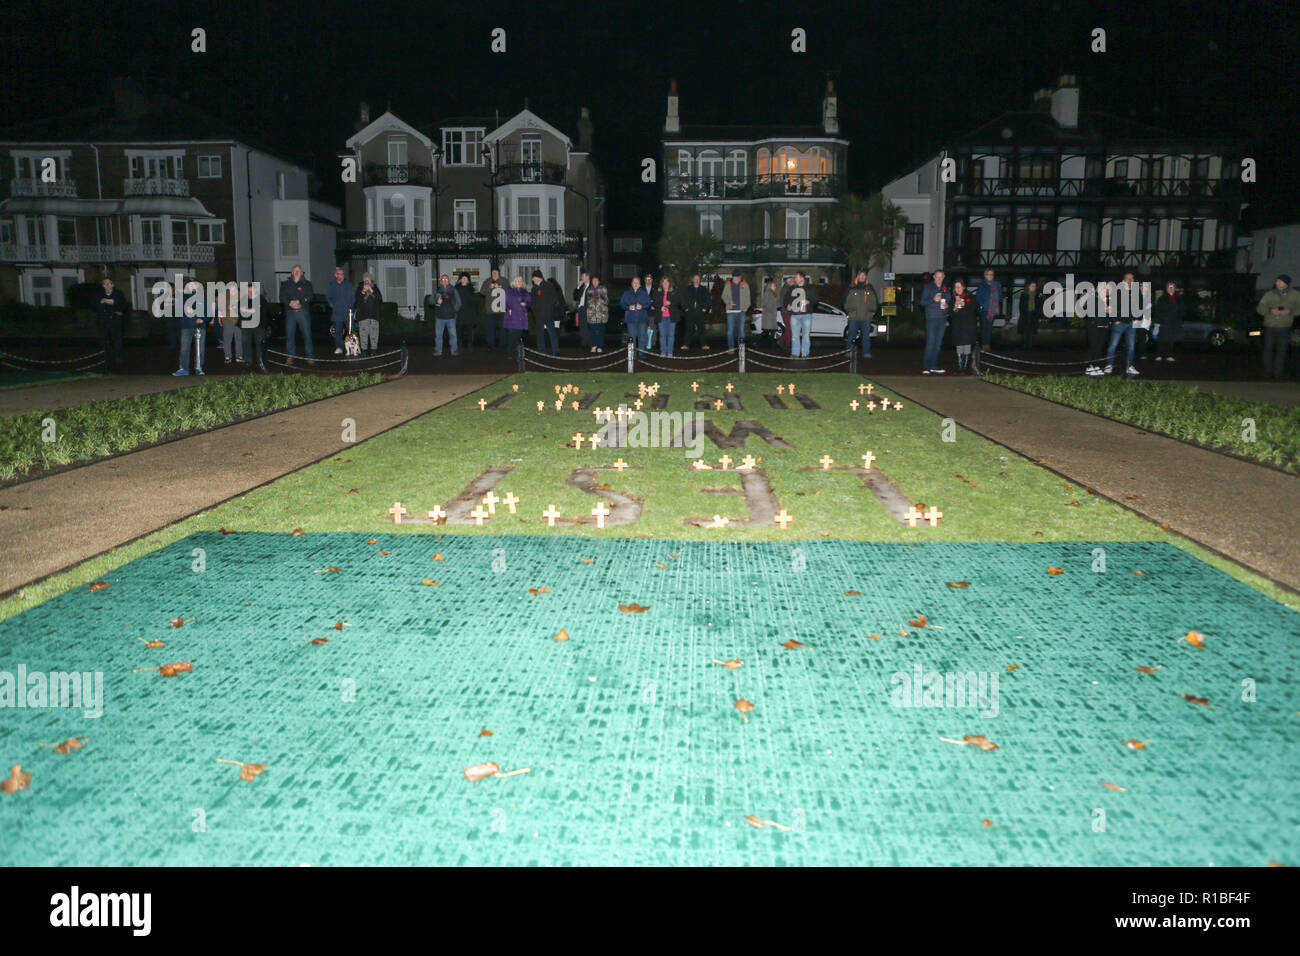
x=389, y=122
x=1038, y=128
x=526, y=119
x=747, y=133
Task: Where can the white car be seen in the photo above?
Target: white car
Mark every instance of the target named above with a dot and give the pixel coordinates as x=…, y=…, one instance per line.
x=827, y=321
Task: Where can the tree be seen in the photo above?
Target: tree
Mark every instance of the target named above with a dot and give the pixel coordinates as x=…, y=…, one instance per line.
x=684, y=251
x=864, y=229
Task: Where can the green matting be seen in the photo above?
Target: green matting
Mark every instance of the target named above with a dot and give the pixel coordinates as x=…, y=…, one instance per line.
x=637, y=754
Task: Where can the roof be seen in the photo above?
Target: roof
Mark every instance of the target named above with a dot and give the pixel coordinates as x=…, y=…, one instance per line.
x=1038, y=128
x=747, y=133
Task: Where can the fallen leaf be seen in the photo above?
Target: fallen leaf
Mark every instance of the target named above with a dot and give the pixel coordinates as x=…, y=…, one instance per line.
x=1135, y=744
x=438, y=557
x=99, y=585
x=320, y=640
x=1200, y=701
x=226, y=530
x=1164, y=527
x=297, y=532
x=919, y=622
x=744, y=707
x=538, y=590
x=1194, y=638
x=154, y=643
x=1072, y=504
x=17, y=780
x=661, y=566
x=755, y=822
x=177, y=621
x=677, y=555
x=980, y=741
x=339, y=625
x=791, y=644
x=1148, y=670
x=1055, y=570
x=873, y=637
x=485, y=732
x=634, y=608
x=588, y=560
x=373, y=541
x=958, y=584
x=1013, y=667
x=858, y=593
x=1142, y=573
x=354, y=491
x=733, y=664
x=986, y=823
x=171, y=670
x=481, y=771
x=69, y=745
x=385, y=552
x=1113, y=786
x=563, y=635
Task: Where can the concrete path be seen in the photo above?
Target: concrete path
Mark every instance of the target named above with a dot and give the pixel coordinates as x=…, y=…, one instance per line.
x=1248, y=512
x=99, y=388
x=52, y=523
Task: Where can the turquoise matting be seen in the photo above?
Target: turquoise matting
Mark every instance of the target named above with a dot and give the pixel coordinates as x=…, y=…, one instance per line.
x=637, y=754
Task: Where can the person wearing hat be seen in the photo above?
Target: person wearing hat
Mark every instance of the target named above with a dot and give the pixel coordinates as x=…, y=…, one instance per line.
x=546, y=308
x=1278, y=306
x=735, y=300
x=367, y=307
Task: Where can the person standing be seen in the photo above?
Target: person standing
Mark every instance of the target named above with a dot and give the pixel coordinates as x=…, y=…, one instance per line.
x=445, y=302
x=736, y=301
x=195, y=315
x=988, y=295
x=1098, y=328
x=803, y=301
x=466, y=310
x=493, y=292
x=515, y=318
x=597, y=313
x=228, y=316
x=965, y=323
x=1121, y=326
x=111, y=309
x=580, y=308
x=696, y=303
x=254, y=336
x=861, y=304
x=635, y=303
x=1130, y=302
x=367, y=311
x=667, y=310
x=1278, y=307
x=342, y=296
x=1030, y=314
x=1169, y=313
x=547, y=308
x=770, y=303
x=295, y=296
x=936, y=301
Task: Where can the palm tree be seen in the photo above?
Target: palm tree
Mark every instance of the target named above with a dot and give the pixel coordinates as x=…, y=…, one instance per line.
x=865, y=229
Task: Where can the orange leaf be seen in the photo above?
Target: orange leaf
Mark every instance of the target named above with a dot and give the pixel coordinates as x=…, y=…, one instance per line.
x=1013, y=667
x=177, y=622
x=958, y=584
x=744, y=707
x=733, y=664
x=1142, y=573
x=180, y=667
x=758, y=823
x=980, y=741
x=791, y=644
x=17, y=780
x=99, y=585
x=429, y=581
x=226, y=530
x=1164, y=527
x=634, y=608
x=320, y=640
x=919, y=622
x=538, y=590
x=588, y=560
x=485, y=732
x=69, y=745
x=986, y=823
x=563, y=635
x=385, y=552
x=438, y=557
x=339, y=625
x=373, y=541
x=481, y=770
x=1135, y=744
x=1200, y=701
x=1055, y=570
x=248, y=771
x=847, y=593
x=1194, y=638
x=297, y=532
x=873, y=637
x=1148, y=670
x=1113, y=786
x=661, y=566
x=154, y=643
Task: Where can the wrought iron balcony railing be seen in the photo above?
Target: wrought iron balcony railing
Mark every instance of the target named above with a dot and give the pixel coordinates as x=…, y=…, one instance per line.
x=778, y=250
x=421, y=244
x=110, y=252
x=548, y=173
x=1095, y=188
x=1107, y=259
x=27, y=186
x=377, y=174
x=171, y=186
x=807, y=185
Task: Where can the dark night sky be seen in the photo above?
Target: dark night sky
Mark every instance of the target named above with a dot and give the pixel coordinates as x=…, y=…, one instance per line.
x=908, y=75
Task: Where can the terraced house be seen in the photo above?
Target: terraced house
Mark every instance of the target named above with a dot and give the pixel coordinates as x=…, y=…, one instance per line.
x=1039, y=193
x=763, y=190
x=469, y=194
x=144, y=189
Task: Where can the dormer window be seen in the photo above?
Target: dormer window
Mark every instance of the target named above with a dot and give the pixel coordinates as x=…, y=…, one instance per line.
x=462, y=146
x=397, y=155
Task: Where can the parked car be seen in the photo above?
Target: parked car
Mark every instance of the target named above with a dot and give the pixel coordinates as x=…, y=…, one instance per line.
x=827, y=321
x=1209, y=333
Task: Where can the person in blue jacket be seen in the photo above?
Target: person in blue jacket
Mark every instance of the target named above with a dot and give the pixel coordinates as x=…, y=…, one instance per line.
x=341, y=295
x=636, y=312
x=936, y=300
x=988, y=296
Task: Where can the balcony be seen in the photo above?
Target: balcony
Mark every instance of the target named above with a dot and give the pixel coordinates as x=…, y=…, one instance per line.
x=756, y=251
x=547, y=173
x=792, y=186
x=156, y=187
x=416, y=245
x=377, y=174
x=1092, y=259
x=102, y=253
x=26, y=186
x=1095, y=188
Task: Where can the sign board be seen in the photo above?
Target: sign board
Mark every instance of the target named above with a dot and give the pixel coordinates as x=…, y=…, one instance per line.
x=889, y=310
x=890, y=293
x=889, y=277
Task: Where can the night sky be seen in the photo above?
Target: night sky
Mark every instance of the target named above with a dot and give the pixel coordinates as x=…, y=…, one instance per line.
x=908, y=75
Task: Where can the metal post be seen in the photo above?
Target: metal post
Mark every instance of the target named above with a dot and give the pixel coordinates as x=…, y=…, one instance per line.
x=740, y=351
x=631, y=355
x=853, y=359
x=519, y=353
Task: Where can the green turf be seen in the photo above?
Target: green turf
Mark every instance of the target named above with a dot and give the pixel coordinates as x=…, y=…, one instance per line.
x=637, y=754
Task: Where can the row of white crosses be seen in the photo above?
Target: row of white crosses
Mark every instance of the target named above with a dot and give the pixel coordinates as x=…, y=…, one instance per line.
x=487, y=507
x=885, y=404
x=748, y=463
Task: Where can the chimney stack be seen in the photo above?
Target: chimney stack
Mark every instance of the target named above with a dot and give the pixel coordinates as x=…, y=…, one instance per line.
x=1065, y=102
x=830, y=109
x=584, y=131
x=365, y=114
x=673, y=123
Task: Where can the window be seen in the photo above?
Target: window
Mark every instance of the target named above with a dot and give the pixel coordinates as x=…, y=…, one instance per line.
x=211, y=233
x=624, y=270
x=737, y=165
x=529, y=213
x=288, y=240
x=1201, y=167
x=1033, y=233
x=395, y=284
x=914, y=239
x=1192, y=235
x=209, y=167
x=710, y=164
x=151, y=233
x=394, y=213
x=42, y=290
x=180, y=233
x=6, y=232
x=764, y=164
x=796, y=224
x=461, y=147
x=683, y=163
x=1121, y=169
x=711, y=223
x=1270, y=247
x=1149, y=236
x=397, y=151
x=155, y=165
x=552, y=213
x=66, y=282
x=466, y=215
x=627, y=244
x=530, y=149
x=67, y=232
x=420, y=213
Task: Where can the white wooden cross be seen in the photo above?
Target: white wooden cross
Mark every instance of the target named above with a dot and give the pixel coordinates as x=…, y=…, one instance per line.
x=622, y=412
x=730, y=386
x=654, y=387
x=578, y=439
x=746, y=463
x=509, y=500
x=898, y=406
x=620, y=464
x=637, y=404
x=870, y=388
x=695, y=386
x=725, y=462
x=397, y=511
x=792, y=388
x=783, y=519
x=854, y=404
x=640, y=388
x=600, y=511
x=482, y=404
x=867, y=459
x=826, y=462
x=719, y=521
x=490, y=499
x=515, y=387
x=933, y=516
x=913, y=516
x=559, y=390
x=862, y=389
x=594, y=440
x=884, y=404
x=871, y=405
x=478, y=514
x=699, y=464
x=559, y=404
x=550, y=514
x=780, y=390
x=599, y=413
x=717, y=404
x=437, y=514
x=574, y=406
x=541, y=406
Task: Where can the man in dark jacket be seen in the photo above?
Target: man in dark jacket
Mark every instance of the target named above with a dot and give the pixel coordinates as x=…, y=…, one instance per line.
x=936, y=300
x=861, y=304
x=547, y=306
x=254, y=335
x=341, y=295
x=580, y=307
x=445, y=303
x=697, y=303
x=493, y=292
x=1029, y=315
x=110, y=310
x=295, y=296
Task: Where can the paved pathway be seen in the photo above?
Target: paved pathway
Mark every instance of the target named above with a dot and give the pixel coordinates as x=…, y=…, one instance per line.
x=1248, y=512
x=52, y=523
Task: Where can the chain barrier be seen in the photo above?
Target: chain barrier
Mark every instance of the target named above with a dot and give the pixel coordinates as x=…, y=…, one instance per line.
x=70, y=361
